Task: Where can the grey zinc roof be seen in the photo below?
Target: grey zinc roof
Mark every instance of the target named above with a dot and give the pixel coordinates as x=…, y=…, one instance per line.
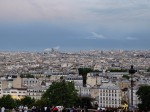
x=109, y=86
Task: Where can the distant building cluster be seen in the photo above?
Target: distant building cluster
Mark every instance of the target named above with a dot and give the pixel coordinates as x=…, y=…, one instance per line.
x=109, y=89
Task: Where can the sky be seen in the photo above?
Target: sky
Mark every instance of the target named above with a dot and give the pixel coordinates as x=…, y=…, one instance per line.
x=73, y=25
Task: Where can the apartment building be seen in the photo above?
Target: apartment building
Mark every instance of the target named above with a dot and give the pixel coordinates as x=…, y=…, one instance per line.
x=36, y=92
x=16, y=93
x=109, y=95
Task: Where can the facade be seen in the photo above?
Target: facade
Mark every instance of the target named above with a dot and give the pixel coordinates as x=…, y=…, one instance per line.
x=29, y=82
x=109, y=95
x=16, y=93
x=13, y=87
x=94, y=79
x=83, y=91
x=124, y=84
x=36, y=91
x=74, y=78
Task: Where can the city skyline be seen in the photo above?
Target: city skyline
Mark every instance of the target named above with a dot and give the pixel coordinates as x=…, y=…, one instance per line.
x=74, y=25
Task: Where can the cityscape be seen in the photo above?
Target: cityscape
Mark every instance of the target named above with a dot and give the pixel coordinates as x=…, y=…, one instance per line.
x=96, y=54
x=104, y=85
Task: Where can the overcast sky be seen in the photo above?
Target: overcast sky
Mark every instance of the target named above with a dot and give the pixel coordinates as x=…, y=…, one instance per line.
x=35, y=25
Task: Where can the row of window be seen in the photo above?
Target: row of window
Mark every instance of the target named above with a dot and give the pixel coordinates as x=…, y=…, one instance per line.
x=108, y=102
x=108, y=91
x=113, y=106
x=35, y=90
x=36, y=94
x=26, y=82
x=106, y=94
x=13, y=92
x=107, y=98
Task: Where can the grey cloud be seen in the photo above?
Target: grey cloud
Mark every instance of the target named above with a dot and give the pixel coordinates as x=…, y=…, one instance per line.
x=131, y=38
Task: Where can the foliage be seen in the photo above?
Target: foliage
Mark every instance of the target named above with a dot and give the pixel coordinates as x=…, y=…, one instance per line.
x=28, y=101
x=118, y=70
x=86, y=101
x=61, y=93
x=83, y=72
x=18, y=102
x=7, y=102
x=126, y=77
x=42, y=102
x=144, y=95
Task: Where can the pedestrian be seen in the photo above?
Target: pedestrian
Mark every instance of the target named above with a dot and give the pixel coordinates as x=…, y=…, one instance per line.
x=13, y=110
x=64, y=109
x=20, y=108
x=25, y=108
x=33, y=109
x=55, y=109
x=3, y=109
x=45, y=108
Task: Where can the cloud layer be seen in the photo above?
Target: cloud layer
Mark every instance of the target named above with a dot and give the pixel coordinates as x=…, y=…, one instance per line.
x=68, y=23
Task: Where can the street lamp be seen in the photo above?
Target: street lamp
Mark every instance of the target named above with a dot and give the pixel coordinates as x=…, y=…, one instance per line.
x=132, y=71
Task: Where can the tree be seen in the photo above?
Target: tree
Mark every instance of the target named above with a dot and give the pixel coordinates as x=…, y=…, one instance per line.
x=7, y=102
x=42, y=102
x=118, y=70
x=28, y=101
x=83, y=72
x=86, y=101
x=144, y=95
x=126, y=77
x=61, y=93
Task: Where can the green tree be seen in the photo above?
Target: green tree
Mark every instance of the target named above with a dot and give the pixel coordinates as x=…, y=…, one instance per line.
x=42, y=102
x=86, y=101
x=126, y=77
x=144, y=95
x=118, y=70
x=83, y=72
x=7, y=102
x=28, y=101
x=61, y=93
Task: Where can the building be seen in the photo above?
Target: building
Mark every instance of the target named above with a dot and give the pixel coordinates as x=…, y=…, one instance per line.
x=109, y=95
x=16, y=93
x=36, y=92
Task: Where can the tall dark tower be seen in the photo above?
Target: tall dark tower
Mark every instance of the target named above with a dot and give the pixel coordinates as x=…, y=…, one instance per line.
x=131, y=72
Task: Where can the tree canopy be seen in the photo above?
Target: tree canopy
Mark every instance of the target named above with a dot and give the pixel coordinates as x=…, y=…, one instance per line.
x=7, y=102
x=144, y=95
x=126, y=77
x=118, y=70
x=83, y=72
x=27, y=101
x=61, y=93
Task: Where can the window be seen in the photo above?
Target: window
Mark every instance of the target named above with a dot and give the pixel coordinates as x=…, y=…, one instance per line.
x=13, y=92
